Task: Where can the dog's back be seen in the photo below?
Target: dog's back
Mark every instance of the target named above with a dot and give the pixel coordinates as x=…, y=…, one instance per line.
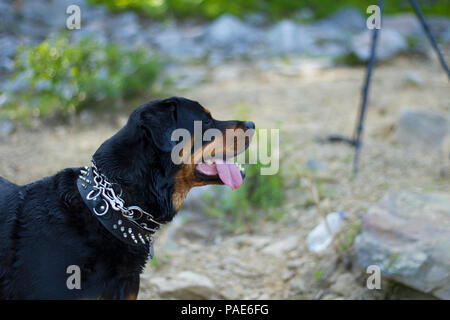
x=10, y=201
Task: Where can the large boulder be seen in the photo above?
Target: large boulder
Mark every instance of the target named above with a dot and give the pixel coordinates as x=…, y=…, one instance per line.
x=228, y=31
x=406, y=24
x=421, y=128
x=286, y=37
x=390, y=43
x=408, y=236
x=346, y=19
x=185, y=285
x=281, y=247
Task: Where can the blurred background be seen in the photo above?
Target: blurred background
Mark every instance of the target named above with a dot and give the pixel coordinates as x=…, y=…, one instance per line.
x=308, y=232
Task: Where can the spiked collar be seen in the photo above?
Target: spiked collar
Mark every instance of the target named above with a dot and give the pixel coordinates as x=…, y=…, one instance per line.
x=130, y=224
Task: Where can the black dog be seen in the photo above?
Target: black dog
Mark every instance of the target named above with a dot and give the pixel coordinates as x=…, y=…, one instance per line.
x=100, y=219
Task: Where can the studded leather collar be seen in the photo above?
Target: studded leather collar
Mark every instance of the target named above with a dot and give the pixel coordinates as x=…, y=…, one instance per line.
x=128, y=224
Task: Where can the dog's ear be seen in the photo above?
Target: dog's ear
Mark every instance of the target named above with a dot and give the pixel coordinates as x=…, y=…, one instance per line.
x=158, y=121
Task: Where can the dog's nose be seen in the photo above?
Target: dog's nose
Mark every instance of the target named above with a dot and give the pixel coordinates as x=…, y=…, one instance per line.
x=249, y=125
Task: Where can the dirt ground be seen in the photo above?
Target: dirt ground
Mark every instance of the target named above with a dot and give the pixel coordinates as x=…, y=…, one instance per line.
x=305, y=101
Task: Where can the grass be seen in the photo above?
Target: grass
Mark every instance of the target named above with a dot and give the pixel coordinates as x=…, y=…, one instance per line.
x=259, y=197
x=347, y=236
x=350, y=59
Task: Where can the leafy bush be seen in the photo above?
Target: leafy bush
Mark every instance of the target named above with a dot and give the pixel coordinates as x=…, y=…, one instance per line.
x=275, y=9
x=62, y=78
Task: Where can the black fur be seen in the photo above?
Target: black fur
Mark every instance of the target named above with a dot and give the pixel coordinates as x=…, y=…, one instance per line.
x=45, y=226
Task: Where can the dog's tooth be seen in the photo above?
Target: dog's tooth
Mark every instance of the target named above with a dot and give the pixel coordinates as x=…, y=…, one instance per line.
x=209, y=161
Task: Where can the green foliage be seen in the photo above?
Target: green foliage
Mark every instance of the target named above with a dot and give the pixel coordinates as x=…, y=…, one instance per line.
x=64, y=78
x=348, y=236
x=274, y=9
x=348, y=59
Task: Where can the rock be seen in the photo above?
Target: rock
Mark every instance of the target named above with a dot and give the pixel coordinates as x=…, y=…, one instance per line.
x=346, y=19
x=6, y=127
x=185, y=285
x=407, y=235
x=330, y=50
x=316, y=165
x=93, y=13
x=298, y=285
x=406, y=24
x=440, y=26
x=286, y=37
x=228, y=31
x=3, y=99
x=94, y=30
x=390, y=43
x=413, y=78
x=124, y=28
x=8, y=16
x=422, y=128
x=281, y=247
x=8, y=46
x=35, y=15
x=256, y=242
x=445, y=36
x=344, y=285
x=19, y=83
x=173, y=42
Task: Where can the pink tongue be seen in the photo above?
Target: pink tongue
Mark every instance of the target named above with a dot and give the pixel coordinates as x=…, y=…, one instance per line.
x=229, y=173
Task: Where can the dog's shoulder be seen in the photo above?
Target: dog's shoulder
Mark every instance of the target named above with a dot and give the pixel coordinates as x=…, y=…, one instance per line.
x=11, y=197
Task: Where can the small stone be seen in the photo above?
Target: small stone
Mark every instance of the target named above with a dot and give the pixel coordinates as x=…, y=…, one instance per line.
x=283, y=246
x=412, y=78
x=6, y=127
x=421, y=128
x=344, y=285
x=315, y=165
x=186, y=285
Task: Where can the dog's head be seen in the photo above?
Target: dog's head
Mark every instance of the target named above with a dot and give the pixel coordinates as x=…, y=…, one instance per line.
x=168, y=147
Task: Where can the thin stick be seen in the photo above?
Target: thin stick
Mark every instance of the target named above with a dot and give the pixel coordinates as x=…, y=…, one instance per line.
x=427, y=30
x=362, y=111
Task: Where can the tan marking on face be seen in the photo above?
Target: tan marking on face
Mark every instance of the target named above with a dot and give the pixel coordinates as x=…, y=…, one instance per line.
x=185, y=179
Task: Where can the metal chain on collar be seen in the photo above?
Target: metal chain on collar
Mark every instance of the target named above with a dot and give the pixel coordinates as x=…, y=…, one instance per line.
x=105, y=190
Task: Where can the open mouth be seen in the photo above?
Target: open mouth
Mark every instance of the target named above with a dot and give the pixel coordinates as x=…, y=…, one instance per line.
x=217, y=170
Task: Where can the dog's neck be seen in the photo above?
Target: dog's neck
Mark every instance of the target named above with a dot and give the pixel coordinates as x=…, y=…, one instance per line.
x=130, y=224
x=146, y=178
x=152, y=193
